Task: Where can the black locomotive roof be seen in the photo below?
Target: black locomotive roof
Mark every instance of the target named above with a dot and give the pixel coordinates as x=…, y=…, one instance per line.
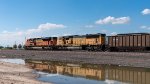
x=79, y=36
x=67, y=36
x=34, y=38
x=130, y=34
x=134, y=34
x=94, y=35
x=82, y=36
x=45, y=38
x=88, y=35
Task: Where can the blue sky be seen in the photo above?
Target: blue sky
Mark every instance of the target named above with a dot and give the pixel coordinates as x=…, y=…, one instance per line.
x=40, y=18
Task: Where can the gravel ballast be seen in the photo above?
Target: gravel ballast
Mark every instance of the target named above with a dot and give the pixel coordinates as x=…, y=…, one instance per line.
x=134, y=59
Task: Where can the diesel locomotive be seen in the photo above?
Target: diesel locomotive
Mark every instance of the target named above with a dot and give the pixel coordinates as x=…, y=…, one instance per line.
x=93, y=42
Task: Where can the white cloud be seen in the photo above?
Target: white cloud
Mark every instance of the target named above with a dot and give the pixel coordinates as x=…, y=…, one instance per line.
x=6, y=34
x=104, y=31
x=66, y=34
x=113, y=20
x=4, y=31
x=145, y=27
x=109, y=81
x=114, y=33
x=146, y=11
x=89, y=26
x=43, y=27
x=7, y=37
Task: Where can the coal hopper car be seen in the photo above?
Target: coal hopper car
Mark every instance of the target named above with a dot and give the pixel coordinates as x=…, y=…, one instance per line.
x=129, y=42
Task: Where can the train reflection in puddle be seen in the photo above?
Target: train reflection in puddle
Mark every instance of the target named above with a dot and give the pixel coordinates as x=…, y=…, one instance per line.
x=93, y=72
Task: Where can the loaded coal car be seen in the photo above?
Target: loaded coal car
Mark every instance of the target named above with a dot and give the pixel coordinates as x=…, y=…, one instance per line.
x=44, y=43
x=129, y=42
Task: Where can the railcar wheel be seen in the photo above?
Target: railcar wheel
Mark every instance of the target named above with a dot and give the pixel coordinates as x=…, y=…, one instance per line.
x=43, y=48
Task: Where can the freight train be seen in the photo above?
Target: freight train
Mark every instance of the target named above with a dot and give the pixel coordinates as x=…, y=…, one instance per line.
x=93, y=42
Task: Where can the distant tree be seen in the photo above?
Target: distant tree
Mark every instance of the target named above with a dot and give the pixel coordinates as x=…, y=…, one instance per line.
x=1, y=47
x=24, y=46
x=15, y=46
x=8, y=47
x=19, y=46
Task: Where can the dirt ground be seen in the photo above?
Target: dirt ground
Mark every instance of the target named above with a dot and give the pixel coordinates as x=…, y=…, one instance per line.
x=134, y=59
x=17, y=74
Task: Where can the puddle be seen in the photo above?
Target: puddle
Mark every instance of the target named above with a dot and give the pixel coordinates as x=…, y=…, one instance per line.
x=69, y=73
x=62, y=79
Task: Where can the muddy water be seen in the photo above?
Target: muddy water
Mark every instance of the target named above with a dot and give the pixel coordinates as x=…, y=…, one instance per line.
x=70, y=73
